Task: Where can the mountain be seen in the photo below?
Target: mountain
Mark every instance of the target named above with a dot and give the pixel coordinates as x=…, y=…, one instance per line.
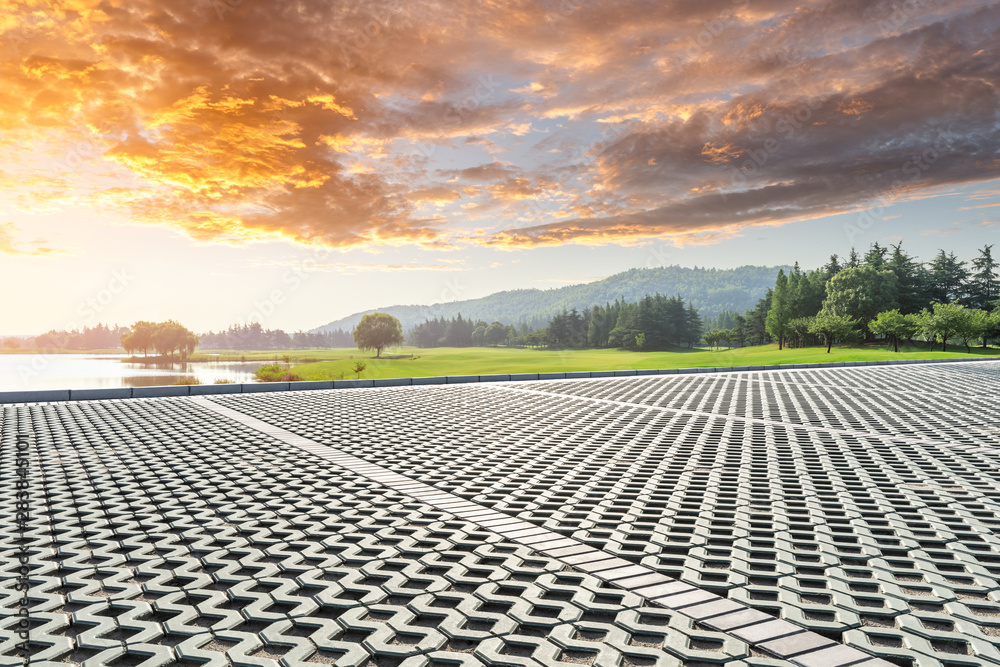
x=710, y=290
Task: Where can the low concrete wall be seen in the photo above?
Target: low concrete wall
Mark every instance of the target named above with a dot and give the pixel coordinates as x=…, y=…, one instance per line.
x=52, y=395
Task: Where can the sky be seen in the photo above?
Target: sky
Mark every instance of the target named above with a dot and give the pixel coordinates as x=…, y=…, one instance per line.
x=223, y=161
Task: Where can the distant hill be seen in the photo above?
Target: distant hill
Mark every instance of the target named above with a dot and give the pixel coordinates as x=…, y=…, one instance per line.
x=710, y=290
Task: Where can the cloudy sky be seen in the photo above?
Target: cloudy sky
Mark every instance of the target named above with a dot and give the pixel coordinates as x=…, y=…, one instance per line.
x=292, y=162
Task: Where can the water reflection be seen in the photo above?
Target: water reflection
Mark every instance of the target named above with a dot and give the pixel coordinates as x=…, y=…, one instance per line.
x=19, y=372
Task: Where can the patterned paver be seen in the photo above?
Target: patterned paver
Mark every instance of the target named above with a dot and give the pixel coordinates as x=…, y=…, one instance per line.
x=860, y=506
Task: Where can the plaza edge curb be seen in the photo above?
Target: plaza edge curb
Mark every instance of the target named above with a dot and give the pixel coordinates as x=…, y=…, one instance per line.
x=54, y=395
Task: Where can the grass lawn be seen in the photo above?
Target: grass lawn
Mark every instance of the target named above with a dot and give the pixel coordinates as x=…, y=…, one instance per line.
x=417, y=362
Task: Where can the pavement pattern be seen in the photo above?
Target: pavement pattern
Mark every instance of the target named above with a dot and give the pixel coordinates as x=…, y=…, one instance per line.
x=820, y=517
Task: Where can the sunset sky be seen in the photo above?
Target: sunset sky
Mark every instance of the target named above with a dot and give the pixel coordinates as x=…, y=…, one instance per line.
x=293, y=162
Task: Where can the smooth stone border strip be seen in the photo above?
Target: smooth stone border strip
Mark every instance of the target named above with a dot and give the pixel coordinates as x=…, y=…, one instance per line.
x=51, y=395
x=765, y=633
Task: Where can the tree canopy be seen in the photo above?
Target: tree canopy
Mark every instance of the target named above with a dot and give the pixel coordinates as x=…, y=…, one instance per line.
x=377, y=331
x=165, y=338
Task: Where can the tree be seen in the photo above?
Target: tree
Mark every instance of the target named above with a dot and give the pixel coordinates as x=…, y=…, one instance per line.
x=894, y=325
x=171, y=336
x=875, y=257
x=831, y=268
x=983, y=289
x=780, y=312
x=359, y=368
x=972, y=326
x=479, y=336
x=948, y=278
x=11, y=343
x=832, y=327
x=640, y=341
x=798, y=331
x=713, y=337
x=740, y=330
x=941, y=323
x=911, y=279
x=861, y=293
x=495, y=334
x=376, y=331
x=139, y=337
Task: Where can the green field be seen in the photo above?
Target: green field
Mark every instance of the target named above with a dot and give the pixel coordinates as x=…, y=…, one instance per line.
x=417, y=362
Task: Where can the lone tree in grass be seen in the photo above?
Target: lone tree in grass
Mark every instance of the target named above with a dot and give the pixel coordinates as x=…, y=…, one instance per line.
x=894, y=326
x=376, y=331
x=831, y=327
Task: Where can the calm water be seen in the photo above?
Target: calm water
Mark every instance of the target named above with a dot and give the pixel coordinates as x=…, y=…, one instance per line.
x=19, y=372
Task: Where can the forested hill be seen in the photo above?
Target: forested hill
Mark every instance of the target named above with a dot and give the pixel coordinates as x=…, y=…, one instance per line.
x=708, y=290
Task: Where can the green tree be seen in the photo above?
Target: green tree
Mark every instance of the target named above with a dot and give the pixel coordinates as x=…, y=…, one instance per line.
x=911, y=278
x=894, y=325
x=479, y=336
x=780, y=312
x=861, y=293
x=831, y=268
x=948, y=278
x=359, y=368
x=983, y=289
x=376, y=331
x=741, y=330
x=640, y=341
x=875, y=257
x=832, y=327
x=713, y=337
x=941, y=323
x=972, y=326
x=798, y=331
x=496, y=333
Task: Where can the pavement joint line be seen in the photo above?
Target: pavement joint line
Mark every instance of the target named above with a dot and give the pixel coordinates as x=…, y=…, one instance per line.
x=748, y=420
x=688, y=596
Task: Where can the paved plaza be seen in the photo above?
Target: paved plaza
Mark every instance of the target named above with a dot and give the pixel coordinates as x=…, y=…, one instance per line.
x=822, y=518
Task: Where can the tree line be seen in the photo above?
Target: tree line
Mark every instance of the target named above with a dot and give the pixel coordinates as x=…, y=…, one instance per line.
x=461, y=332
x=887, y=293
x=98, y=337
x=654, y=322
x=253, y=336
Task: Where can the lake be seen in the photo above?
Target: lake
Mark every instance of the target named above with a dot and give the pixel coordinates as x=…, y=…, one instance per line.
x=22, y=372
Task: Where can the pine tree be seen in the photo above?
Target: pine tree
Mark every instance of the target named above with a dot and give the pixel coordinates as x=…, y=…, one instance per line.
x=780, y=312
x=832, y=267
x=948, y=278
x=983, y=289
x=911, y=280
x=875, y=257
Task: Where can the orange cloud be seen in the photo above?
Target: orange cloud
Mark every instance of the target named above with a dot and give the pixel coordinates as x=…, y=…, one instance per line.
x=331, y=124
x=10, y=245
